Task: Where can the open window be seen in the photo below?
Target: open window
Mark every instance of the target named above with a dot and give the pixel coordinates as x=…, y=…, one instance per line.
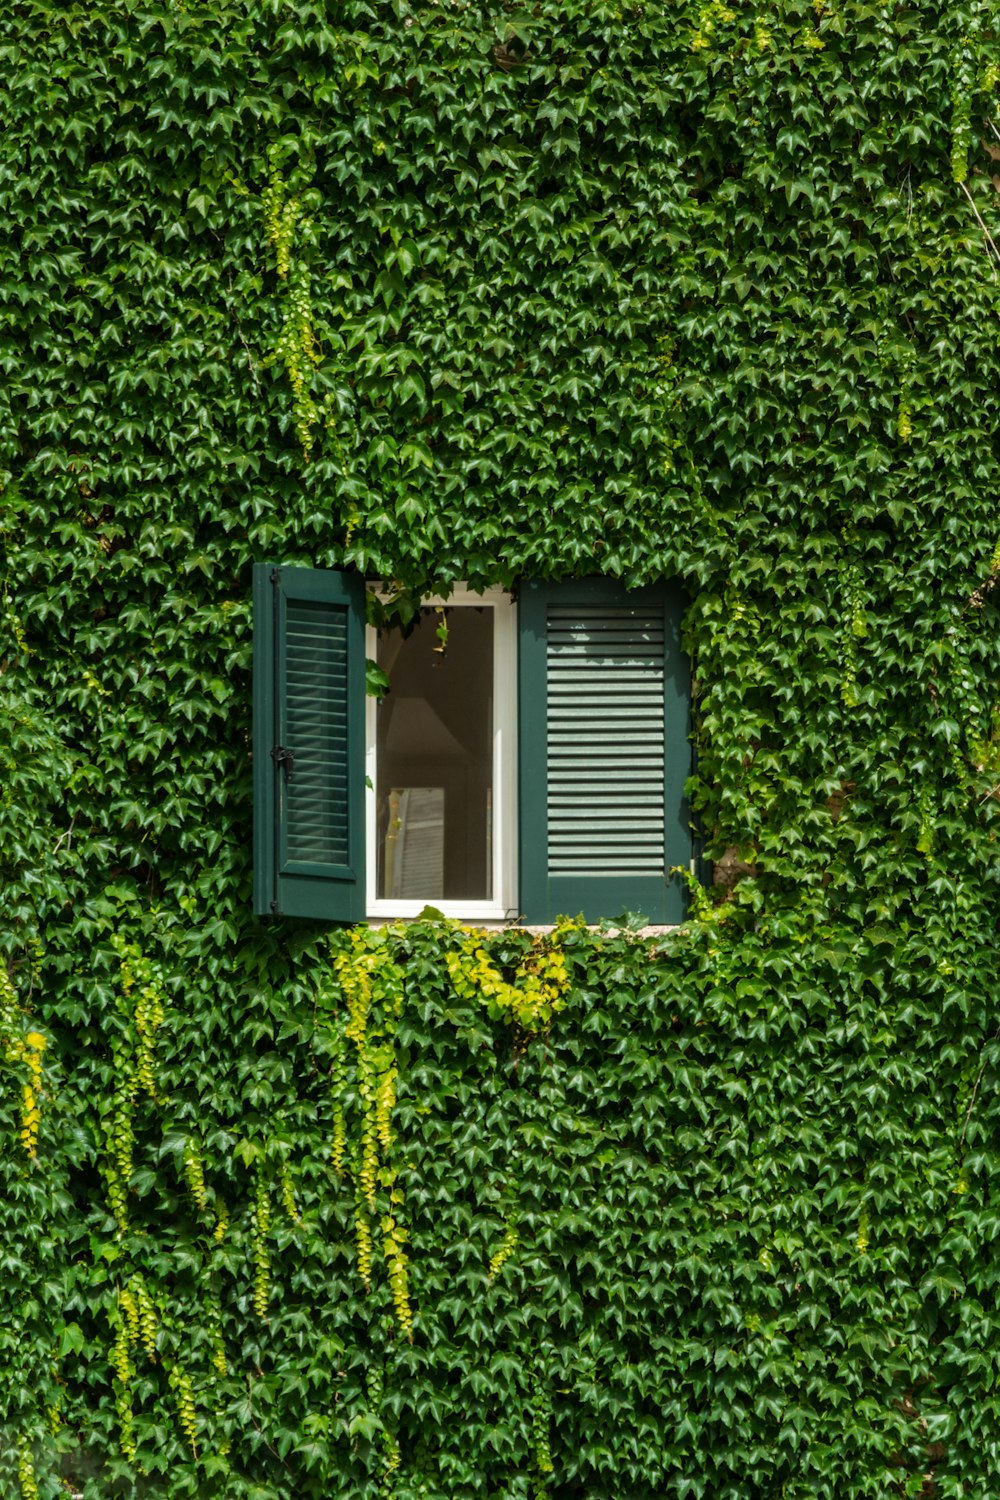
x=441, y=760
x=528, y=759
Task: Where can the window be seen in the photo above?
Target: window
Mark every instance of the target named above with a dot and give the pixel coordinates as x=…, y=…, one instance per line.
x=530, y=764
x=441, y=762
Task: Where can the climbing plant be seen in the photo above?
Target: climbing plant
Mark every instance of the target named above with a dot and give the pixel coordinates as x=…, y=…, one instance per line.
x=475, y=291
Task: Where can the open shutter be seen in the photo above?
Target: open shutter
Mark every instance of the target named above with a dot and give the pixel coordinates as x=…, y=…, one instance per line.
x=604, y=692
x=309, y=705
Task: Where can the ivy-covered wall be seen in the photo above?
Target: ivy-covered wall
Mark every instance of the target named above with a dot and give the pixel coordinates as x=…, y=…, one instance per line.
x=478, y=291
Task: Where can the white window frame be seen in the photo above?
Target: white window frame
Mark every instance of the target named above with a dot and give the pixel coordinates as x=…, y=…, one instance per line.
x=503, y=907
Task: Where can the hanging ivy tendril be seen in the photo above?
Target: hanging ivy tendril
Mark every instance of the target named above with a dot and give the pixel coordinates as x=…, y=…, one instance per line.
x=855, y=620
x=133, y=1061
x=371, y=983
x=288, y=225
x=259, y=1226
x=194, y=1174
x=507, y=1247
x=541, y=1423
x=180, y=1383
x=134, y=1322
x=970, y=80
x=26, y=1471
x=22, y=1053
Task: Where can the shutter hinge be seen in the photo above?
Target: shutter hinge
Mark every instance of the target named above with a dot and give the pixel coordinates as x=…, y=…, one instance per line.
x=276, y=576
x=283, y=757
x=274, y=908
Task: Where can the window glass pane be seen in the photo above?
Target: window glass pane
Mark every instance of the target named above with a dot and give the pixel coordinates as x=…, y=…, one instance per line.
x=434, y=759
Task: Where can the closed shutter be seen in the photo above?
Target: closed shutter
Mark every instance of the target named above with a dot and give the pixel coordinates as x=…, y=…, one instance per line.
x=604, y=693
x=308, y=744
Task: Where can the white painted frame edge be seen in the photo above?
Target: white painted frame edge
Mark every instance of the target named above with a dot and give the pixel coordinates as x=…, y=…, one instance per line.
x=504, y=768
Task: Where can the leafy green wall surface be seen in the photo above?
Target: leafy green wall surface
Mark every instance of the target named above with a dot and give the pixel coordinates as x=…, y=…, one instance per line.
x=477, y=292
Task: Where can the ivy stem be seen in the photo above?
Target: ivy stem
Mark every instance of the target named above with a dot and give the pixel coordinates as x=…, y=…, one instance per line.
x=991, y=245
x=975, y=1091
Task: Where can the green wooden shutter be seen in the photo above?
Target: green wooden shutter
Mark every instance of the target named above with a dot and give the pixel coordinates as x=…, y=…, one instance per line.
x=309, y=703
x=604, y=693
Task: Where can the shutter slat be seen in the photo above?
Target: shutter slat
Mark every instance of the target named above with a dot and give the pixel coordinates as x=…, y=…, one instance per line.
x=566, y=740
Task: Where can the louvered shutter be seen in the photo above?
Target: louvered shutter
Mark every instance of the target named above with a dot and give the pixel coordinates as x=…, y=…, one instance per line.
x=604, y=693
x=309, y=744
